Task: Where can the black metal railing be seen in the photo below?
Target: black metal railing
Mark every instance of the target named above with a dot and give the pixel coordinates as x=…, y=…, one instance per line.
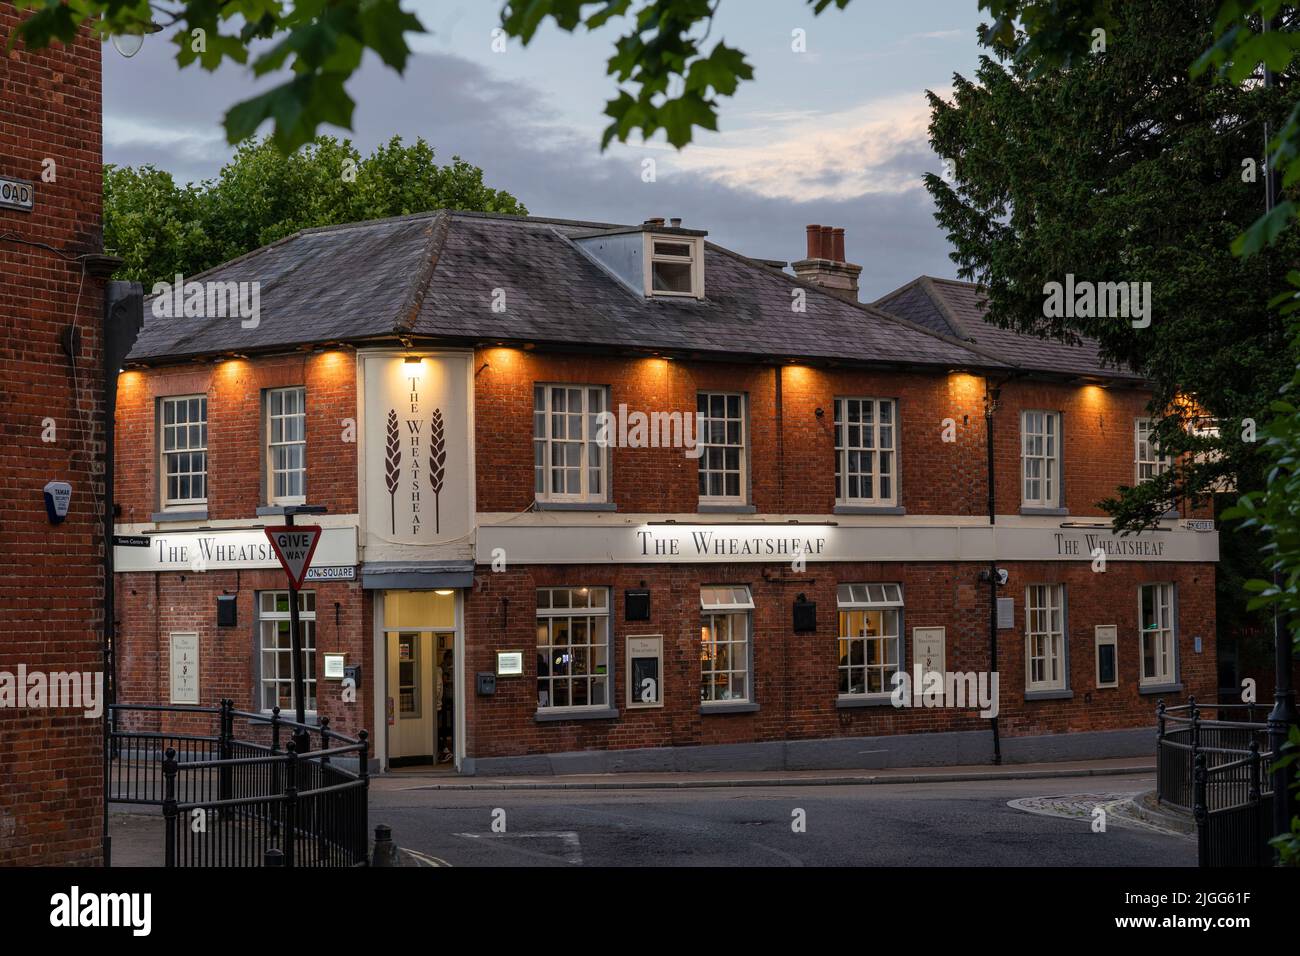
x=1216, y=769
x=235, y=796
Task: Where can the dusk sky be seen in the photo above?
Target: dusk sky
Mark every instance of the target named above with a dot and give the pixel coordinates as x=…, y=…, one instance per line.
x=835, y=135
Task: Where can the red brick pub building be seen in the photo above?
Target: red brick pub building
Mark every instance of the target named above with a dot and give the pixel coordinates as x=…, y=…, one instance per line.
x=529, y=564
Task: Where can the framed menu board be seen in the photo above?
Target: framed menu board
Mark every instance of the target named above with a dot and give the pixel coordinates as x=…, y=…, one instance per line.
x=645, y=659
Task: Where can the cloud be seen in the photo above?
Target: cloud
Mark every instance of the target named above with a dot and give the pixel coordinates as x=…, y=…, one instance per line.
x=936, y=35
x=880, y=146
x=754, y=189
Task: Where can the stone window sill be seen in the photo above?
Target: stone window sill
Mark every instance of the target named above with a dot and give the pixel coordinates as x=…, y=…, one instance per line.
x=1064, y=694
x=727, y=708
x=591, y=713
x=846, y=701
x=196, y=514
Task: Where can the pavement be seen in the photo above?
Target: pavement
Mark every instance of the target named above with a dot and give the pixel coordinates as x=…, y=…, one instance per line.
x=444, y=780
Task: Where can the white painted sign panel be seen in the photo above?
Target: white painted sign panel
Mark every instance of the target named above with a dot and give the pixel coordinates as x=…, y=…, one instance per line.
x=220, y=550
x=416, y=451
x=554, y=542
x=184, y=668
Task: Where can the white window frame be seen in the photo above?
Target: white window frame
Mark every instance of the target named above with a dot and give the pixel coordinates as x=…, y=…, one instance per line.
x=1205, y=427
x=706, y=443
x=591, y=614
x=1048, y=456
x=1039, y=626
x=271, y=444
x=877, y=442
x=593, y=456
x=1145, y=457
x=695, y=260
x=733, y=603
x=1165, y=632
x=886, y=599
x=307, y=634
x=1103, y=635
x=165, y=432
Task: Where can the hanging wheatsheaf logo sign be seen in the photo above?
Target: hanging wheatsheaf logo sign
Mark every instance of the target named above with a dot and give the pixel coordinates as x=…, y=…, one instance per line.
x=417, y=454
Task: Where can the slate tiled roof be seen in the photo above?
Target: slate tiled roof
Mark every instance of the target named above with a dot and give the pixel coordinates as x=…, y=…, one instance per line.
x=958, y=309
x=434, y=275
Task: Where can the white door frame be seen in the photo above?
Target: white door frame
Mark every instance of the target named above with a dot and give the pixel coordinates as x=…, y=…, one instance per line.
x=379, y=741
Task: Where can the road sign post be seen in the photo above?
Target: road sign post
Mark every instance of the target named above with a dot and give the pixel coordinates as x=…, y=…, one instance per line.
x=294, y=546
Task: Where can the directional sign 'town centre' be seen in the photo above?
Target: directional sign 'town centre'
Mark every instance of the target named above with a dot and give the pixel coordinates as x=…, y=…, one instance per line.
x=294, y=546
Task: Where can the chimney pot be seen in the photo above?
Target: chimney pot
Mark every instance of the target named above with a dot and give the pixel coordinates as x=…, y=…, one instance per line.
x=826, y=266
x=675, y=222
x=654, y=221
x=814, y=242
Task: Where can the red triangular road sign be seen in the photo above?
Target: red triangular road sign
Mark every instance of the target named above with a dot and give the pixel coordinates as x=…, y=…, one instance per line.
x=294, y=546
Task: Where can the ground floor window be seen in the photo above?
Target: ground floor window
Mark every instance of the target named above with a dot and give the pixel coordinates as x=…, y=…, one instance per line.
x=572, y=647
x=1156, y=620
x=725, y=630
x=276, y=649
x=869, y=637
x=1045, y=637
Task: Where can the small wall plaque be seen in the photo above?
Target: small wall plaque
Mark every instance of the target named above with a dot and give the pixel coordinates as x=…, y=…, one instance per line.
x=335, y=665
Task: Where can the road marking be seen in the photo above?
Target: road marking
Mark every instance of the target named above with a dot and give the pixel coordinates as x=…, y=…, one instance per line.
x=788, y=857
x=572, y=845
x=1080, y=806
x=424, y=859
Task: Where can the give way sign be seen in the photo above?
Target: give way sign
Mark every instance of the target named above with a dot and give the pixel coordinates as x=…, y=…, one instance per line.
x=294, y=545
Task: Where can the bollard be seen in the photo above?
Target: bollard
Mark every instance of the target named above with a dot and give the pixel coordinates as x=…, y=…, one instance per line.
x=385, y=849
x=273, y=858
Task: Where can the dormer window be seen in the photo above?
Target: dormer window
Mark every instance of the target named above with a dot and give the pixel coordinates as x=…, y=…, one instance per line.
x=656, y=259
x=673, y=266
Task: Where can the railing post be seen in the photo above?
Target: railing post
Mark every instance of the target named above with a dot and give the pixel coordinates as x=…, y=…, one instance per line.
x=1160, y=750
x=169, y=808
x=275, y=730
x=325, y=738
x=291, y=807
x=225, y=787
x=1200, y=813
x=1257, y=851
x=359, y=833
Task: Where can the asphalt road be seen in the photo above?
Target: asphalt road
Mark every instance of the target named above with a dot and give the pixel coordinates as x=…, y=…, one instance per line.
x=934, y=824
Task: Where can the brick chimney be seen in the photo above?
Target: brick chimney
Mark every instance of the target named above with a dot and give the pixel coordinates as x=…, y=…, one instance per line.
x=825, y=263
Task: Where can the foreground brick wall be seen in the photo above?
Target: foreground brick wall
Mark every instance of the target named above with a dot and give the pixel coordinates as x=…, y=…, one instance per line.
x=51, y=595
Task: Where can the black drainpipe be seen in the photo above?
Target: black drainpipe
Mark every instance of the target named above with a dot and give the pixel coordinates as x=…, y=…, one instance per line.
x=990, y=406
x=123, y=317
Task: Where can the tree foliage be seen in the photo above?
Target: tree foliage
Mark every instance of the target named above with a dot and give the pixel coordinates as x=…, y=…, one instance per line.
x=160, y=228
x=1123, y=168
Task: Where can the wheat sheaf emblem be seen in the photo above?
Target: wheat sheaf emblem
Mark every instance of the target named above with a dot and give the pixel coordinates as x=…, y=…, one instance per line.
x=437, y=464
x=392, y=465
